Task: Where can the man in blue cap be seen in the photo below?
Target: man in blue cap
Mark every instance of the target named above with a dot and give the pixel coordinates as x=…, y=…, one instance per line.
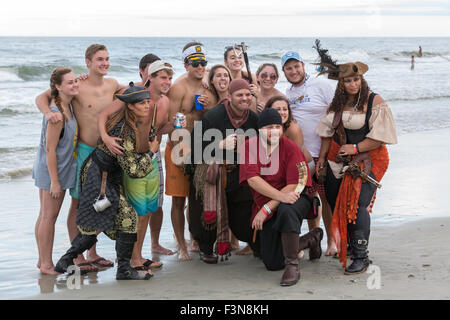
x=309, y=99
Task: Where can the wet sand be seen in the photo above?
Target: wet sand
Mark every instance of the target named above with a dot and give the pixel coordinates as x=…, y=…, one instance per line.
x=409, y=245
x=412, y=260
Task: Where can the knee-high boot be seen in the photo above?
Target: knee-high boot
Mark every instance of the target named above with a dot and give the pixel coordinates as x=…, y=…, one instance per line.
x=311, y=241
x=359, y=244
x=291, y=273
x=80, y=244
x=124, y=249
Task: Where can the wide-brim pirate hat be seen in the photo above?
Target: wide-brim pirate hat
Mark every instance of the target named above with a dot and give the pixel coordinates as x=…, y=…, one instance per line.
x=133, y=94
x=338, y=71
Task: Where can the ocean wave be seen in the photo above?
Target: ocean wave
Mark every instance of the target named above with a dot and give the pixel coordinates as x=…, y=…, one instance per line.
x=15, y=150
x=417, y=98
x=15, y=173
x=30, y=72
x=12, y=110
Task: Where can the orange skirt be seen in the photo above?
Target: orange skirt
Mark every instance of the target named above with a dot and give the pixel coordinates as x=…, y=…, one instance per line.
x=346, y=206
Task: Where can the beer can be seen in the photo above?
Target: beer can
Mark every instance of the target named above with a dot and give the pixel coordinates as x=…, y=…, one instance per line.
x=178, y=119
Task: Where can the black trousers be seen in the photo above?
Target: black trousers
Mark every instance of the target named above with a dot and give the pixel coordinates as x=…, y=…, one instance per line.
x=362, y=221
x=287, y=219
x=239, y=203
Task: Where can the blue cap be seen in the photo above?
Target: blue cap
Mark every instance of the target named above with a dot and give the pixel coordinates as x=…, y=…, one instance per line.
x=288, y=56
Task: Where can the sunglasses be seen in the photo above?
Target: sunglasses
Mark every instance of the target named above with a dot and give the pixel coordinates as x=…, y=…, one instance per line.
x=355, y=79
x=195, y=64
x=272, y=76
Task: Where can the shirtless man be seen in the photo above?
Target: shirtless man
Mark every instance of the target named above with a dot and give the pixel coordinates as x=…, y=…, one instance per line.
x=182, y=99
x=95, y=94
x=156, y=77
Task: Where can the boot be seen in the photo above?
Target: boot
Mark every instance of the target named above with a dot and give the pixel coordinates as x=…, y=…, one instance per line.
x=311, y=241
x=80, y=244
x=360, y=258
x=291, y=273
x=124, y=248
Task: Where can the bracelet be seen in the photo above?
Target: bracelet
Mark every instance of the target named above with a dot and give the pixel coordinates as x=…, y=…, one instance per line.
x=267, y=209
x=355, y=148
x=263, y=210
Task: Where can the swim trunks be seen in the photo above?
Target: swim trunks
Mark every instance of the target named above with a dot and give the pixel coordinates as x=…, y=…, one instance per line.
x=143, y=193
x=177, y=183
x=83, y=151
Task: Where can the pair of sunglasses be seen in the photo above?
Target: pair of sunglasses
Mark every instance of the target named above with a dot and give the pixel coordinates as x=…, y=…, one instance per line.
x=272, y=76
x=195, y=64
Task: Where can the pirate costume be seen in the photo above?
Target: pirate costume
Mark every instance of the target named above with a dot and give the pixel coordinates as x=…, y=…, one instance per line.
x=211, y=219
x=101, y=182
x=350, y=194
x=279, y=238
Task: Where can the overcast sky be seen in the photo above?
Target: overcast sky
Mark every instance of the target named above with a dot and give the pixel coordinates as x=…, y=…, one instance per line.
x=214, y=18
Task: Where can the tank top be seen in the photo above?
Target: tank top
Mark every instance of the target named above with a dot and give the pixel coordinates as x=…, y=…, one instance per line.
x=67, y=165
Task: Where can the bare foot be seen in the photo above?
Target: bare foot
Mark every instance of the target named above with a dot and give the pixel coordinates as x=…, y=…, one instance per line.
x=331, y=249
x=38, y=265
x=183, y=255
x=161, y=250
x=48, y=270
x=301, y=254
x=244, y=252
x=193, y=246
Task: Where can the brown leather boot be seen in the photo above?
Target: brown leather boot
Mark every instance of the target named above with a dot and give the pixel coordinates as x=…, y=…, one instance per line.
x=311, y=241
x=291, y=273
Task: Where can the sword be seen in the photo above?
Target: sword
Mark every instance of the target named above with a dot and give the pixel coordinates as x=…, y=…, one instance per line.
x=244, y=48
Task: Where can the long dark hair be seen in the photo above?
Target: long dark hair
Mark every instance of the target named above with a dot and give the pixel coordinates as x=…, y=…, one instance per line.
x=274, y=99
x=341, y=96
x=211, y=76
x=130, y=122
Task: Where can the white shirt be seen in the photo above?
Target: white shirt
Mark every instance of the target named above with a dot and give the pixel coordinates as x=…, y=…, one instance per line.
x=309, y=102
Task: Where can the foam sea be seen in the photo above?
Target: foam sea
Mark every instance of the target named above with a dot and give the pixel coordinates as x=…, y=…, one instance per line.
x=419, y=99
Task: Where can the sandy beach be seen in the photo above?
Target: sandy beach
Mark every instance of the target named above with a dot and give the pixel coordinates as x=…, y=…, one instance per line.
x=408, y=247
x=413, y=262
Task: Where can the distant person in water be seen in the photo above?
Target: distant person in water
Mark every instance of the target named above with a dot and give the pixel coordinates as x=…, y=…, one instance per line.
x=420, y=51
x=412, y=62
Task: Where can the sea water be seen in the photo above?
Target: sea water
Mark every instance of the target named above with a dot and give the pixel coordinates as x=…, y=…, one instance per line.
x=419, y=99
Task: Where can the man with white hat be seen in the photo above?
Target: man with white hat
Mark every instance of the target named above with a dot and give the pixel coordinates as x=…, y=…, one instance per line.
x=309, y=99
x=157, y=78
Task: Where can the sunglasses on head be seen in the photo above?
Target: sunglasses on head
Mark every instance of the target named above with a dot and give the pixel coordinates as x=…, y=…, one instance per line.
x=355, y=79
x=195, y=64
x=272, y=76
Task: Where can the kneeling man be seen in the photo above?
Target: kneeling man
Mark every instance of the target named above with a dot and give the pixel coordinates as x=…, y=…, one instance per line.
x=276, y=171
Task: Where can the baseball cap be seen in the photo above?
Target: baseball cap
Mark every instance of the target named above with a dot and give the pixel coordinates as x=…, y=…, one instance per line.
x=288, y=56
x=156, y=66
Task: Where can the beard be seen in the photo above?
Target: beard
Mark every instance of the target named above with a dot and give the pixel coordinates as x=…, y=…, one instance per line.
x=299, y=81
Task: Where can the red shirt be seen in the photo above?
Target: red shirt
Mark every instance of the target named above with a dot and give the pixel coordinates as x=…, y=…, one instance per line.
x=278, y=171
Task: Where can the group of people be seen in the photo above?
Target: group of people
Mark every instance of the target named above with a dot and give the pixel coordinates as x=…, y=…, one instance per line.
x=251, y=162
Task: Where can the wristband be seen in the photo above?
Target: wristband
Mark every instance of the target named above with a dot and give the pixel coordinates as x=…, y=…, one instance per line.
x=355, y=148
x=267, y=209
x=263, y=210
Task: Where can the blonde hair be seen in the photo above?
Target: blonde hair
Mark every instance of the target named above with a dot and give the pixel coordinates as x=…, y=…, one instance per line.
x=56, y=79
